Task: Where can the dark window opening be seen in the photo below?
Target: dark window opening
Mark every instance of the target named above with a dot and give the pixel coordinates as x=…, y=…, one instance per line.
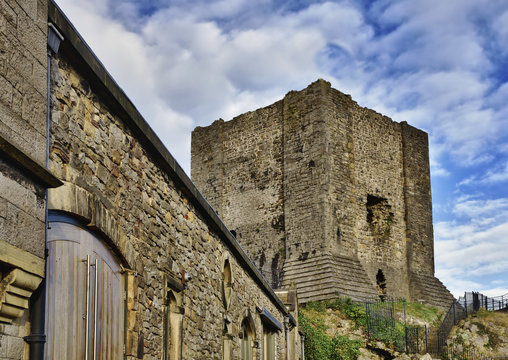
x=379, y=217
x=381, y=285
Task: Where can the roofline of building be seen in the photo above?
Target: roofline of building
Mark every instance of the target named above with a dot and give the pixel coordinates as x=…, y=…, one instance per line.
x=78, y=51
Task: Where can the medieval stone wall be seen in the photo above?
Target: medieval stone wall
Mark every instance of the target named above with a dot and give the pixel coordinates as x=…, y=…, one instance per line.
x=23, y=33
x=380, y=216
x=355, y=185
x=256, y=212
x=113, y=181
x=418, y=200
x=305, y=174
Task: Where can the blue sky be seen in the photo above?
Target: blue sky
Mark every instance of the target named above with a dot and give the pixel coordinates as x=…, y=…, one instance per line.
x=442, y=66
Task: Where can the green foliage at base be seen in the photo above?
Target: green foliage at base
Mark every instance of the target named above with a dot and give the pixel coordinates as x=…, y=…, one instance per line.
x=394, y=337
x=320, y=346
x=354, y=311
x=385, y=325
x=426, y=313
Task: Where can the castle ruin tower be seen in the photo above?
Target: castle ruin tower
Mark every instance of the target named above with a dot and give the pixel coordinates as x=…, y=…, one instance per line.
x=326, y=194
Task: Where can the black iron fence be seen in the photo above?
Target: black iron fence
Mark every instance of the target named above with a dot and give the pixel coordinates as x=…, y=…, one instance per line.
x=466, y=305
x=455, y=313
x=382, y=324
x=474, y=301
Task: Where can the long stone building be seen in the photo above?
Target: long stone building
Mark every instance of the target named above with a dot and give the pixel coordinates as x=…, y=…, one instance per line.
x=326, y=194
x=107, y=249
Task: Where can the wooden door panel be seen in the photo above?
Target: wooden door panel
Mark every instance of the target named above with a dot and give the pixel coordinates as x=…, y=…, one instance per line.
x=69, y=246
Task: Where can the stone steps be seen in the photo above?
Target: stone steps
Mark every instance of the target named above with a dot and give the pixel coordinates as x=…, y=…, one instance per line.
x=326, y=277
x=431, y=291
x=348, y=273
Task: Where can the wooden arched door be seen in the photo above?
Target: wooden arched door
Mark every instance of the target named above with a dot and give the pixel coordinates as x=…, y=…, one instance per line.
x=85, y=305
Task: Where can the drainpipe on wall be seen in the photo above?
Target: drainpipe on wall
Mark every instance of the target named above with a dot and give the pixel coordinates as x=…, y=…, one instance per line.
x=37, y=337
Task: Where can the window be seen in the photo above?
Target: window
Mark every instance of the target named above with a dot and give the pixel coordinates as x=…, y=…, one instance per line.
x=226, y=339
x=270, y=327
x=227, y=286
x=85, y=291
x=247, y=335
x=379, y=217
x=381, y=284
x=172, y=328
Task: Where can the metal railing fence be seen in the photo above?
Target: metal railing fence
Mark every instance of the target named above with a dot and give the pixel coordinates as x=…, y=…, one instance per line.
x=474, y=301
x=381, y=324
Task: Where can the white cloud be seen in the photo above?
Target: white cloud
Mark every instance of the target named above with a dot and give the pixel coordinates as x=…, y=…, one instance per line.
x=495, y=175
x=472, y=250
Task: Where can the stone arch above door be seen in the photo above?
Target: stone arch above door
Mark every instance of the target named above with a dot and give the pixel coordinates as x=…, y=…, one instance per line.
x=94, y=215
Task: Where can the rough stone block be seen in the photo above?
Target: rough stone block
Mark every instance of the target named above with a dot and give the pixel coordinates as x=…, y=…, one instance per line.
x=8, y=14
x=6, y=90
x=29, y=7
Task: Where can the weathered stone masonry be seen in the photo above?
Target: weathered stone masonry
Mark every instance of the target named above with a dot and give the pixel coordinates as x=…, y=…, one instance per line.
x=338, y=196
x=114, y=179
x=23, y=174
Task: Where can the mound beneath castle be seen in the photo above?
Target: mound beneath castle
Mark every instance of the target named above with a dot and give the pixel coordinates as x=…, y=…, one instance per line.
x=325, y=194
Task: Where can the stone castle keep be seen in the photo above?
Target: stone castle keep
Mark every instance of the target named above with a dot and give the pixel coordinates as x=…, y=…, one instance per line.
x=326, y=194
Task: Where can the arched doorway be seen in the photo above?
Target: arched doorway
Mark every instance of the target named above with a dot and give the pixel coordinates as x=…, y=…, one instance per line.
x=84, y=297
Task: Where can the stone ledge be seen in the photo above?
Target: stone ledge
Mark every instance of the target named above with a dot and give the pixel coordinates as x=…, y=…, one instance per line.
x=18, y=258
x=28, y=165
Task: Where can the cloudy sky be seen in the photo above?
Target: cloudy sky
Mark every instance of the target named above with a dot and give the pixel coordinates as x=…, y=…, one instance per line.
x=442, y=66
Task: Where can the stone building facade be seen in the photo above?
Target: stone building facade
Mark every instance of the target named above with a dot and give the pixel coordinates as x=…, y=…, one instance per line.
x=24, y=177
x=326, y=194
x=138, y=265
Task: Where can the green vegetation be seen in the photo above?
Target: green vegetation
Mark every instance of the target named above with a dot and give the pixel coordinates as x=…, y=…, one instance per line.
x=426, y=313
x=319, y=321
x=320, y=346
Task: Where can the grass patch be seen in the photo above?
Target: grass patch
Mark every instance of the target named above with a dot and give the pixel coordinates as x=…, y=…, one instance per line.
x=426, y=313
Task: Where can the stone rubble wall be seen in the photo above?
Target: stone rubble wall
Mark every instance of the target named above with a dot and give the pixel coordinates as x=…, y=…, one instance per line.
x=256, y=213
x=378, y=174
x=150, y=222
x=23, y=64
x=418, y=201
